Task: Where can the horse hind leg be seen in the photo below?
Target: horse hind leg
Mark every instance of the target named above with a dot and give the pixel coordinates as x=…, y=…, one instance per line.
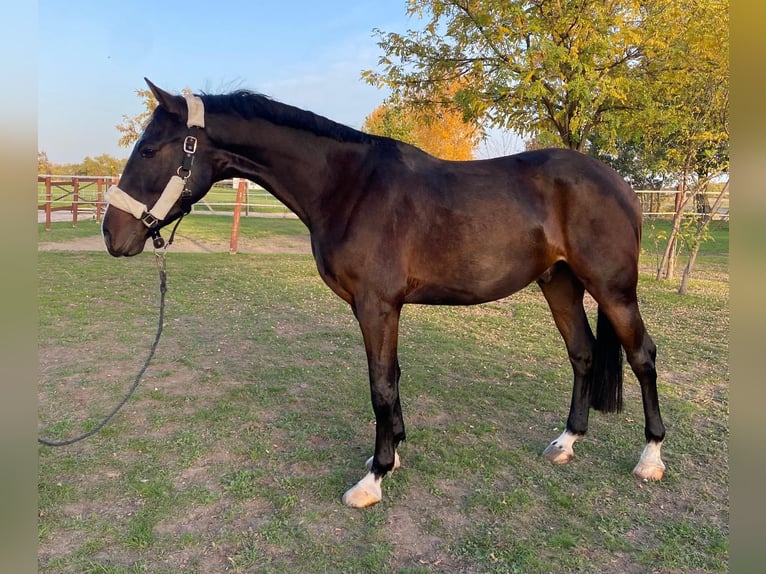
x=564, y=293
x=643, y=363
x=641, y=353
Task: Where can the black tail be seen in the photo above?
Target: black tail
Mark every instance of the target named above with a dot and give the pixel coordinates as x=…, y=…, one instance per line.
x=606, y=385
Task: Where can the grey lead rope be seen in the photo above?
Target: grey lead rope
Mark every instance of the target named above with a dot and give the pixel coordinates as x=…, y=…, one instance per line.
x=160, y=260
x=163, y=288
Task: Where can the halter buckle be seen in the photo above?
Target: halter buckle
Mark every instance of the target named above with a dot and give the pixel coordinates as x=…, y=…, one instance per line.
x=190, y=144
x=149, y=220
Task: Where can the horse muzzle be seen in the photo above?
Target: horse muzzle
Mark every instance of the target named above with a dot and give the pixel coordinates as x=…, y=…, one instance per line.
x=124, y=236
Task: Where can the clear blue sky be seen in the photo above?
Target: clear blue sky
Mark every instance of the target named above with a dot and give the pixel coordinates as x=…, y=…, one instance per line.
x=93, y=55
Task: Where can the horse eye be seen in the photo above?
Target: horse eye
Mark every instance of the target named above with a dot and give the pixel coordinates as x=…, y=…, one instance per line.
x=148, y=152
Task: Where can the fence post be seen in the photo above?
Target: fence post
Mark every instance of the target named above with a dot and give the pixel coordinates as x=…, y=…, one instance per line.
x=241, y=190
x=48, y=201
x=99, y=196
x=75, y=199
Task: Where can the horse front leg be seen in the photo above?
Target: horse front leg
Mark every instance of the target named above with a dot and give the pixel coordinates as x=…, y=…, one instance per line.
x=379, y=323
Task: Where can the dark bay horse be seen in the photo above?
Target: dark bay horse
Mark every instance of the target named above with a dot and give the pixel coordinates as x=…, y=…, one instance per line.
x=391, y=225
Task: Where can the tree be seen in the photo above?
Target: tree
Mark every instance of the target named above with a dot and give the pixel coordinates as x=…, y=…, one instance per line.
x=131, y=128
x=532, y=66
x=103, y=164
x=43, y=165
x=442, y=133
x=643, y=168
x=700, y=229
x=392, y=121
x=686, y=131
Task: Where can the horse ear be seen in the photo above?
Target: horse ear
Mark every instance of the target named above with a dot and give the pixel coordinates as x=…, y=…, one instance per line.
x=174, y=104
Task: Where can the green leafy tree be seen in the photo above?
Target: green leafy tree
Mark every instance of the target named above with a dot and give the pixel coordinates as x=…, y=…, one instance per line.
x=103, y=164
x=390, y=120
x=685, y=132
x=532, y=66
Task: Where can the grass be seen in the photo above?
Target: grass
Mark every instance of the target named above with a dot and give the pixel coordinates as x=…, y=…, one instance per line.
x=222, y=198
x=201, y=227
x=255, y=417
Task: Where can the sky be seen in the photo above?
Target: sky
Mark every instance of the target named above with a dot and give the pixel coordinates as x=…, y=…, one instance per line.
x=93, y=56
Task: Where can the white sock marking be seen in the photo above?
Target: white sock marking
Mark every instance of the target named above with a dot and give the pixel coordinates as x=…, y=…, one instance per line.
x=651, y=455
x=565, y=441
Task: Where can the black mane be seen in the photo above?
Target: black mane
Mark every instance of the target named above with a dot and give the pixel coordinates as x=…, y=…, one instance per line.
x=248, y=105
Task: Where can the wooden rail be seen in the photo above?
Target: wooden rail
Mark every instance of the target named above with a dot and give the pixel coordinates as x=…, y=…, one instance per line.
x=72, y=188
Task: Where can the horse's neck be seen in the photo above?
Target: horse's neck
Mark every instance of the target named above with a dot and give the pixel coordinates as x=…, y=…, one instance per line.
x=297, y=167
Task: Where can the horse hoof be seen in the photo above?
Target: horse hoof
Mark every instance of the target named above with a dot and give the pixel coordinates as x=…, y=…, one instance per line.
x=557, y=454
x=364, y=493
x=397, y=463
x=649, y=471
x=560, y=451
x=650, y=465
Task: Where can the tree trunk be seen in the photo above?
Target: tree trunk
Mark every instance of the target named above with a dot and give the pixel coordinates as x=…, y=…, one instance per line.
x=706, y=219
x=688, y=269
x=669, y=256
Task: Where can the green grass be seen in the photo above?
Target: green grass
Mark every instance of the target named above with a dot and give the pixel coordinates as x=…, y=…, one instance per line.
x=198, y=226
x=211, y=227
x=714, y=249
x=61, y=231
x=221, y=198
x=255, y=417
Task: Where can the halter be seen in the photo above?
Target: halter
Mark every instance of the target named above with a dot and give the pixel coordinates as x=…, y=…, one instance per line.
x=176, y=186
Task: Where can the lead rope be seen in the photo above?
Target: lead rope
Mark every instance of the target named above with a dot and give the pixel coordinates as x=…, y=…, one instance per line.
x=159, y=258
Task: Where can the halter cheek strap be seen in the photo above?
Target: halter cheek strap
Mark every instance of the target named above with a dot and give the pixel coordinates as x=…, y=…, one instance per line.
x=176, y=186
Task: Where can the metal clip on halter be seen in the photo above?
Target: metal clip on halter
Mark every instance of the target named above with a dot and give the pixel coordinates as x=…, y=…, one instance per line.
x=157, y=239
x=149, y=220
x=153, y=224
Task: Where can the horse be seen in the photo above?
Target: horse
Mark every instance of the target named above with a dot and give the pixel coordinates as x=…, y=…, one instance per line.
x=392, y=225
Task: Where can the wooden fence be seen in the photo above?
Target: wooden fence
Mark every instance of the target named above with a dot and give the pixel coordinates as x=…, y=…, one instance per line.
x=78, y=197
x=74, y=194
x=663, y=203
x=83, y=196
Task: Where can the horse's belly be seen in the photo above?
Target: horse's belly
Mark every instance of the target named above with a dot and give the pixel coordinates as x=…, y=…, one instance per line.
x=449, y=288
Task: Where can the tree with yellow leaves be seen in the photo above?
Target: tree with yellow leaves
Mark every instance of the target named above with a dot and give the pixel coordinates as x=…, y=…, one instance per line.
x=441, y=132
x=131, y=128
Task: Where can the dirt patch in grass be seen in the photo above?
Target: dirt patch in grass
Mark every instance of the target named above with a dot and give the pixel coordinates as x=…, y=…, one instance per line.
x=415, y=546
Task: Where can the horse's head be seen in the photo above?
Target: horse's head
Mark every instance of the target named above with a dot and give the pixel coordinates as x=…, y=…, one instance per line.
x=169, y=169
